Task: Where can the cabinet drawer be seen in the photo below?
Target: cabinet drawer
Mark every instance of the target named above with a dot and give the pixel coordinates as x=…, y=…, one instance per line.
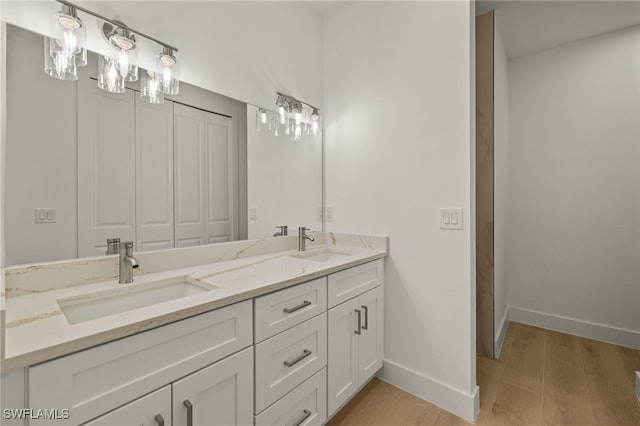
x=99, y=379
x=283, y=309
x=288, y=359
x=306, y=405
x=149, y=410
x=347, y=284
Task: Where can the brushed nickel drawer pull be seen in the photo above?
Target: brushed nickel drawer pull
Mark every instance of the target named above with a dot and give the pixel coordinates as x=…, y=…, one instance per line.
x=297, y=359
x=297, y=308
x=189, y=406
x=159, y=419
x=366, y=317
x=359, y=330
x=305, y=415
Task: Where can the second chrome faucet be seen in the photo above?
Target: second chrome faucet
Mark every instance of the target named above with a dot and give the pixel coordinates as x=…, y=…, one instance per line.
x=303, y=237
x=127, y=262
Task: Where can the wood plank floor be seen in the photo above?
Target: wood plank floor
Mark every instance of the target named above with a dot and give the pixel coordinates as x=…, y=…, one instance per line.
x=542, y=378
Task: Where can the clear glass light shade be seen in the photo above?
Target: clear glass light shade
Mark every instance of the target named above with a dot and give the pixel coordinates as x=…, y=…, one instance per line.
x=109, y=76
x=169, y=72
x=151, y=87
x=126, y=61
x=58, y=63
x=68, y=31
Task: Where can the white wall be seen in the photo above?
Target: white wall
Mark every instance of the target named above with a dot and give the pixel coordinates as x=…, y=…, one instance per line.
x=284, y=179
x=397, y=91
x=244, y=50
x=500, y=179
x=574, y=182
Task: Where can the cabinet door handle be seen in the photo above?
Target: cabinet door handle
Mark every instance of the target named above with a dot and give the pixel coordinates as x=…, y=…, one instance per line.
x=159, y=419
x=359, y=330
x=366, y=317
x=305, y=415
x=297, y=359
x=296, y=308
x=189, y=406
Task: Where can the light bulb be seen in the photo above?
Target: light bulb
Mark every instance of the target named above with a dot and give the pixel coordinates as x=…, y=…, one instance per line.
x=298, y=117
x=314, y=127
x=263, y=116
x=298, y=132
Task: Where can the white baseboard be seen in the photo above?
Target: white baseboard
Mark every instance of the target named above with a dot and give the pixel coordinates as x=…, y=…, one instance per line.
x=638, y=385
x=605, y=333
x=502, y=332
x=466, y=406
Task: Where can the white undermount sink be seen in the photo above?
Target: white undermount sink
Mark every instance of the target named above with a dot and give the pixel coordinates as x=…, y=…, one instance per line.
x=128, y=297
x=326, y=254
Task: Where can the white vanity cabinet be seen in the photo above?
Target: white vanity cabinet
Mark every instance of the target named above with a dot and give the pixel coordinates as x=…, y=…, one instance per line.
x=356, y=334
x=150, y=410
x=95, y=381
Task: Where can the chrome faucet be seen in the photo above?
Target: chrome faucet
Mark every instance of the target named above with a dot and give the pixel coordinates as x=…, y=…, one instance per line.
x=127, y=262
x=284, y=231
x=302, y=238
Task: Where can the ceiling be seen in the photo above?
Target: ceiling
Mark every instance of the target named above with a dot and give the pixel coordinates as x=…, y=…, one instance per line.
x=531, y=26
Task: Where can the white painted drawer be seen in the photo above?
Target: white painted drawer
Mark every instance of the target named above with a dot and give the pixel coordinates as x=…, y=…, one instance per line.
x=349, y=283
x=274, y=378
x=283, y=309
x=96, y=380
x=306, y=405
x=141, y=412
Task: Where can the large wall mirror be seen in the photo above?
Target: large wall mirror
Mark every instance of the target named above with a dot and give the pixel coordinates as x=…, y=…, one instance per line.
x=83, y=165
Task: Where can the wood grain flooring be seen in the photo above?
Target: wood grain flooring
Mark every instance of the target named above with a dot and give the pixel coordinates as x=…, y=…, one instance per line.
x=542, y=378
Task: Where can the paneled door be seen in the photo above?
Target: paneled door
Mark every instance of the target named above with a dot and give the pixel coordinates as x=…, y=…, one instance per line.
x=154, y=176
x=106, y=167
x=205, y=177
x=221, y=191
x=190, y=176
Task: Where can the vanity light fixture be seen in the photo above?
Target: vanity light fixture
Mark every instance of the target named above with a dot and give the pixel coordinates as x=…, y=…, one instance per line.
x=315, y=119
x=294, y=114
x=65, y=51
x=263, y=116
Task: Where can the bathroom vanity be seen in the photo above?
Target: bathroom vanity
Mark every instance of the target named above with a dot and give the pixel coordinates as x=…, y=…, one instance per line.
x=260, y=334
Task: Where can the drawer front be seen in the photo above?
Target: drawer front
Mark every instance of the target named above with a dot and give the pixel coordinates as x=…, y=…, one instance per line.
x=306, y=405
x=345, y=285
x=288, y=359
x=99, y=379
x=283, y=309
x=150, y=410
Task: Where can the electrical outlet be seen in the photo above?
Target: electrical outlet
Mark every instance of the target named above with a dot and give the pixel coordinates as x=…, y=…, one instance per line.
x=329, y=214
x=45, y=215
x=451, y=218
x=319, y=214
x=253, y=213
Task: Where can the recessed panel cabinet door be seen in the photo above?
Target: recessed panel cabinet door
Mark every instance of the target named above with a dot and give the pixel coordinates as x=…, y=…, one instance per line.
x=370, y=341
x=154, y=176
x=150, y=410
x=342, y=381
x=218, y=395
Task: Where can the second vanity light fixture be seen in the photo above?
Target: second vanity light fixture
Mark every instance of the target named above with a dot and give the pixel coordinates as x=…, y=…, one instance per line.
x=294, y=117
x=64, y=51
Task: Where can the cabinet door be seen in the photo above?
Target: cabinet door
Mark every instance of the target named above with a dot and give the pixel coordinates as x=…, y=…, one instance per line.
x=342, y=362
x=221, y=394
x=106, y=167
x=151, y=410
x=154, y=176
x=370, y=342
x=190, y=176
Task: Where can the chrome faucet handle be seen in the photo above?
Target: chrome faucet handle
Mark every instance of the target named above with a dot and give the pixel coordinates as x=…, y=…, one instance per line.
x=284, y=231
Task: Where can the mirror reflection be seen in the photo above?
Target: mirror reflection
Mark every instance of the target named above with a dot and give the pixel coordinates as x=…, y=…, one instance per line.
x=84, y=166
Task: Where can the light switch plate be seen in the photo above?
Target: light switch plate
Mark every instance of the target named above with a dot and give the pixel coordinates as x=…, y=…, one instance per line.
x=253, y=213
x=319, y=214
x=451, y=218
x=45, y=215
x=329, y=214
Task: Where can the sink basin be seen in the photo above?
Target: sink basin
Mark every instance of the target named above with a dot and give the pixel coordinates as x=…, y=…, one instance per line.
x=326, y=254
x=100, y=304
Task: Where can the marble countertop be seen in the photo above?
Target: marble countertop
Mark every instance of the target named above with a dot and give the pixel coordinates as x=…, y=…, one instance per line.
x=37, y=329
